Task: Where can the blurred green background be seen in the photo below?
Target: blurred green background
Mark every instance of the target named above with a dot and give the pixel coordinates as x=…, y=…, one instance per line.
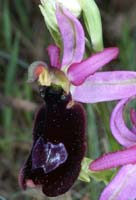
x=23, y=39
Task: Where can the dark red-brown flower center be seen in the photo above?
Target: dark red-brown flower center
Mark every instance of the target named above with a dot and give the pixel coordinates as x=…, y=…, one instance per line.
x=58, y=144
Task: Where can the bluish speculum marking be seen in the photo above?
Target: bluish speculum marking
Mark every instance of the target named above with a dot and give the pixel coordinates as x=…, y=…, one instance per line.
x=48, y=156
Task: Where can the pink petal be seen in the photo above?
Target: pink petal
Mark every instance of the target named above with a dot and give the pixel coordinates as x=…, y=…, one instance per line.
x=106, y=86
x=54, y=55
x=133, y=129
x=118, y=127
x=30, y=184
x=133, y=119
x=78, y=72
x=115, y=159
x=133, y=116
x=123, y=185
x=72, y=36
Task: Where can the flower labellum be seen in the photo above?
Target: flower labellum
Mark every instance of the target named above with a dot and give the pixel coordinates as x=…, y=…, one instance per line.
x=59, y=144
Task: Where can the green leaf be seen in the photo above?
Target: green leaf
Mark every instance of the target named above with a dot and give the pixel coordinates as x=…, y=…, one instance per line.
x=7, y=24
x=86, y=173
x=48, y=11
x=21, y=10
x=12, y=67
x=92, y=20
x=10, y=82
x=92, y=136
x=7, y=118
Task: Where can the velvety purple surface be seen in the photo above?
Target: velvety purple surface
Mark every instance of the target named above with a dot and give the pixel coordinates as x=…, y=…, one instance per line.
x=56, y=124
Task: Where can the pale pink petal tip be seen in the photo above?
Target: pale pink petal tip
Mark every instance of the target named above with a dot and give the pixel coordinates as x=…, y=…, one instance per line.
x=78, y=72
x=54, y=55
x=30, y=184
x=123, y=185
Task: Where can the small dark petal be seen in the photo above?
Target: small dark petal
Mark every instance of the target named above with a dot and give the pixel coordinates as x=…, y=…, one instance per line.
x=56, y=127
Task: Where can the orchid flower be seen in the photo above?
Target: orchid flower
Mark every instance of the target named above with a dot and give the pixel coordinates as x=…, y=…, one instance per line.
x=59, y=130
x=86, y=85
x=123, y=185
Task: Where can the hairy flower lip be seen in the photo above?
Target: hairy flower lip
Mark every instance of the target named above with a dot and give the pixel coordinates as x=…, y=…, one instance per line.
x=57, y=129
